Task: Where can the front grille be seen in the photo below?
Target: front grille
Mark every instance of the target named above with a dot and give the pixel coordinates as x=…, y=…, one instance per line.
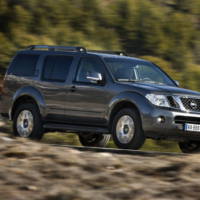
x=191, y=104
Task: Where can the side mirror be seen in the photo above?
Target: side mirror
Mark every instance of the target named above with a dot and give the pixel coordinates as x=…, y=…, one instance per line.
x=95, y=77
x=177, y=83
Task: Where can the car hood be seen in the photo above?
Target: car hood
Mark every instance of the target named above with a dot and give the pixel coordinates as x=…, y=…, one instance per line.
x=157, y=88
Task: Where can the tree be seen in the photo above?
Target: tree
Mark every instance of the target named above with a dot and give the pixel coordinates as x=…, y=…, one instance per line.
x=6, y=51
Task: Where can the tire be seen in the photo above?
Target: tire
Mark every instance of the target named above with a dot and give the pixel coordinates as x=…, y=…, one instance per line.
x=127, y=129
x=26, y=116
x=94, y=140
x=190, y=146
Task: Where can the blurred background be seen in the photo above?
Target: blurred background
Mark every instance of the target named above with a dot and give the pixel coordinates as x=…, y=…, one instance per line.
x=166, y=32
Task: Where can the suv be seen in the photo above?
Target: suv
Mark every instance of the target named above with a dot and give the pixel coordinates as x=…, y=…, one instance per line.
x=97, y=94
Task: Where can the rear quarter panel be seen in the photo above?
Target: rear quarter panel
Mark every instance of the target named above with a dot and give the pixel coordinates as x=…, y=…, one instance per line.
x=16, y=87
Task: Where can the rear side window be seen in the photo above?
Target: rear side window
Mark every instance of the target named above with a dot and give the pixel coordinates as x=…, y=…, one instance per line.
x=56, y=68
x=24, y=65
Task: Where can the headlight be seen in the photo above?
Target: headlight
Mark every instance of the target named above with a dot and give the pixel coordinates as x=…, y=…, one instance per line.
x=158, y=100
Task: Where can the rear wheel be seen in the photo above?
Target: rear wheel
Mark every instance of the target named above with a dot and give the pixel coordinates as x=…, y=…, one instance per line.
x=27, y=121
x=190, y=146
x=94, y=140
x=127, y=129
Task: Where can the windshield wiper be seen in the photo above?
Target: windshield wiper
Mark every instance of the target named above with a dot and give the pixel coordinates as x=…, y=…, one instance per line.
x=153, y=82
x=135, y=81
x=127, y=80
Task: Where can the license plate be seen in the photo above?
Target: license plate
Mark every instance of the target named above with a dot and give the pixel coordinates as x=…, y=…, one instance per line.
x=192, y=127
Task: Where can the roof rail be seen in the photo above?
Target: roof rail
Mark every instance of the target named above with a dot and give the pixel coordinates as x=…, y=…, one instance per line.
x=57, y=48
x=120, y=53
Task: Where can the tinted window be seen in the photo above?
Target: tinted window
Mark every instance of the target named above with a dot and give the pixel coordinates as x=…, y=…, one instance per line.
x=24, y=65
x=88, y=66
x=56, y=68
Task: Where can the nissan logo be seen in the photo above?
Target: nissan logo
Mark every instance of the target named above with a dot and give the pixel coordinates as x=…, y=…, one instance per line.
x=193, y=105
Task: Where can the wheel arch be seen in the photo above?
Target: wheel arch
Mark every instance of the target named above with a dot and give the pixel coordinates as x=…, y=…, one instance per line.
x=122, y=105
x=27, y=94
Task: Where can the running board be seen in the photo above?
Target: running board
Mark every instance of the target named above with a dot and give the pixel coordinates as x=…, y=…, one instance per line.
x=76, y=128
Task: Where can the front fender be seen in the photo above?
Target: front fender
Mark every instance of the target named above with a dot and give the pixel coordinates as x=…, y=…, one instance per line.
x=34, y=94
x=138, y=100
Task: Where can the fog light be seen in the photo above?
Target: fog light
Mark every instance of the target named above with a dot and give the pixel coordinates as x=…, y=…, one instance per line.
x=161, y=119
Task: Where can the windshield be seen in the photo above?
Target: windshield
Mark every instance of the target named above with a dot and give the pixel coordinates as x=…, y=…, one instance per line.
x=127, y=70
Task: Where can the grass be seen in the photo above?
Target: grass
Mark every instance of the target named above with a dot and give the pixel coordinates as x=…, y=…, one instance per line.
x=72, y=139
x=61, y=138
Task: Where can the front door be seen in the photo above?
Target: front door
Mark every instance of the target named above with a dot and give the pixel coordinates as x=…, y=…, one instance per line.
x=87, y=101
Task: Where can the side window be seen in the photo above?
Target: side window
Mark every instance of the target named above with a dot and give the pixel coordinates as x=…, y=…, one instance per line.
x=56, y=68
x=87, y=66
x=24, y=65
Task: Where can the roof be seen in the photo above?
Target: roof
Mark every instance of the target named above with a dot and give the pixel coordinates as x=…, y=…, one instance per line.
x=106, y=55
x=74, y=49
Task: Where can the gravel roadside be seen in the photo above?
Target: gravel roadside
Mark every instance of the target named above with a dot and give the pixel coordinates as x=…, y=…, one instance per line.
x=31, y=170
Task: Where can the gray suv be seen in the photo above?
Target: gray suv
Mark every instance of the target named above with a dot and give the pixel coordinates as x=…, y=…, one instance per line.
x=97, y=94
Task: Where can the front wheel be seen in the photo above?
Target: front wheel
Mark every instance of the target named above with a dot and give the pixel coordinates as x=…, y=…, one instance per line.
x=190, y=146
x=127, y=129
x=94, y=140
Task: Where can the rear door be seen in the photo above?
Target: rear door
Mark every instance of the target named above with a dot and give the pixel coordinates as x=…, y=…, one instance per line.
x=53, y=85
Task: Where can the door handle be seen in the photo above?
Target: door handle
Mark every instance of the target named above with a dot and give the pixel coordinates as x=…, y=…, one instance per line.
x=73, y=88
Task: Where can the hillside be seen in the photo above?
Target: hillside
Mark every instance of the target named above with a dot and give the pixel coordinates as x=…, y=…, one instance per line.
x=31, y=170
x=165, y=32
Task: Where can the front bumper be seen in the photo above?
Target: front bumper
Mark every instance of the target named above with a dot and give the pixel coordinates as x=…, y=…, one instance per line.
x=173, y=125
